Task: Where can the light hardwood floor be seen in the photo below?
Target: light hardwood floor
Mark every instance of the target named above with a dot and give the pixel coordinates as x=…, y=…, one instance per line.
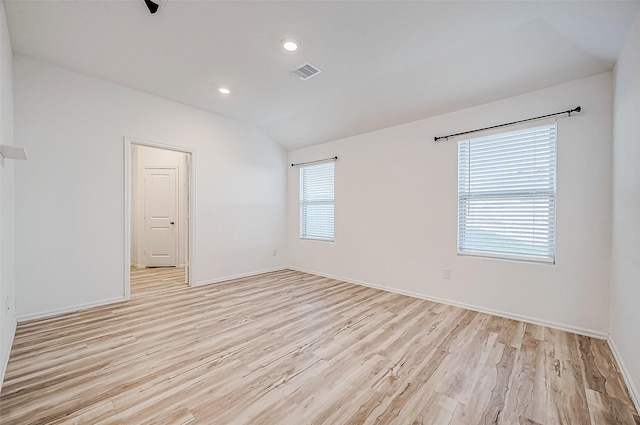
x=293, y=348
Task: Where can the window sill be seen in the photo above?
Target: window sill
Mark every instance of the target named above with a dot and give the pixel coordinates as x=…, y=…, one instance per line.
x=506, y=257
x=317, y=240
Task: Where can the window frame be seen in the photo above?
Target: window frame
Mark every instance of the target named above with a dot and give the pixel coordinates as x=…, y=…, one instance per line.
x=302, y=203
x=532, y=195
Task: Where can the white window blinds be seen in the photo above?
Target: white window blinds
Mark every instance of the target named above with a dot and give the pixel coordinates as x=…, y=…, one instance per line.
x=506, y=195
x=316, y=202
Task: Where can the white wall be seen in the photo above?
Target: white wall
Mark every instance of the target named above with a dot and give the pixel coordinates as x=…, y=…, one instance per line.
x=7, y=238
x=142, y=156
x=625, y=251
x=70, y=194
x=396, y=212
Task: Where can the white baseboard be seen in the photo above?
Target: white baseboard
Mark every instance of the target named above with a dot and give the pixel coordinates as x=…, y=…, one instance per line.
x=635, y=395
x=521, y=318
x=633, y=390
x=49, y=313
x=239, y=276
x=72, y=309
x=7, y=353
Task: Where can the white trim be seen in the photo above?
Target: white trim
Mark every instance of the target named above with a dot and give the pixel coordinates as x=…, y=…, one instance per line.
x=317, y=239
x=7, y=354
x=633, y=390
x=72, y=309
x=240, y=276
x=190, y=251
x=532, y=320
x=501, y=256
x=126, y=285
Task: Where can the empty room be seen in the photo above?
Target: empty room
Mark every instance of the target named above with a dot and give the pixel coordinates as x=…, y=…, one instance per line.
x=319, y=212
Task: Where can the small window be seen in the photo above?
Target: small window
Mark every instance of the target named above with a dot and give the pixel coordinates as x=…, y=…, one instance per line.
x=316, y=202
x=507, y=195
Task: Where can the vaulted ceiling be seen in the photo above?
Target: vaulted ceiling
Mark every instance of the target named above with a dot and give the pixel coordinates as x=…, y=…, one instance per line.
x=383, y=63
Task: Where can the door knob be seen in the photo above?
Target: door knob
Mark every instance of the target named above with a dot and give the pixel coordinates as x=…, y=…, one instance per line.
x=171, y=222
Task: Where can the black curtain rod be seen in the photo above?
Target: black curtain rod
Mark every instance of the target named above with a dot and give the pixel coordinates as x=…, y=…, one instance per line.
x=569, y=112
x=313, y=162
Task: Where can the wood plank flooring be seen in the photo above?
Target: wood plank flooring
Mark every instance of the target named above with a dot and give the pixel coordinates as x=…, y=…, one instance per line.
x=293, y=348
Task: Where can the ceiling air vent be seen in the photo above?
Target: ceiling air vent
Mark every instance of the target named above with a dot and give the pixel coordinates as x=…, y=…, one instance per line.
x=306, y=71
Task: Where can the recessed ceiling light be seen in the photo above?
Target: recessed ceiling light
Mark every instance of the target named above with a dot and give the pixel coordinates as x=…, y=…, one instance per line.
x=290, y=45
x=224, y=90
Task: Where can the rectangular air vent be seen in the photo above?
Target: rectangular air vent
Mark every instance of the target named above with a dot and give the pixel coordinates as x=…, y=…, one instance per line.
x=306, y=71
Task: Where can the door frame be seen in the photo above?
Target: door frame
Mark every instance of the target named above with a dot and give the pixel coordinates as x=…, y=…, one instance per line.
x=189, y=261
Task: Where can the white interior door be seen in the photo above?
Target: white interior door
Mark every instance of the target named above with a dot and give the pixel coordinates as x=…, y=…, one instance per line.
x=160, y=216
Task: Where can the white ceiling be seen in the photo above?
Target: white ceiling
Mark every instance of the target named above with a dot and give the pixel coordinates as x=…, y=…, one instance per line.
x=384, y=62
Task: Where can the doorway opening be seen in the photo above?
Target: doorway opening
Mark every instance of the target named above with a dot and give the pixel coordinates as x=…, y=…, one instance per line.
x=159, y=211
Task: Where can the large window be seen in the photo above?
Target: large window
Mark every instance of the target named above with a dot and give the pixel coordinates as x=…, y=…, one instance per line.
x=507, y=195
x=316, y=202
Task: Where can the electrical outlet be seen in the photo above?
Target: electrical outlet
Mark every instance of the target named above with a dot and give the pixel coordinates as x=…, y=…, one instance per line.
x=275, y=252
x=446, y=274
